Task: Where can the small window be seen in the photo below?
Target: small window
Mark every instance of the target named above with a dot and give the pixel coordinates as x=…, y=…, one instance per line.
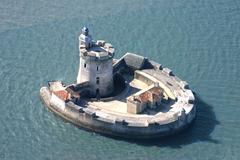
x=97, y=80
x=191, y=101
x=97, y=68
x=85, y=65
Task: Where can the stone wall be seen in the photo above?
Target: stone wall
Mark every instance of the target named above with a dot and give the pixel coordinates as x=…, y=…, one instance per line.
x=116, y=125
x=99, y=74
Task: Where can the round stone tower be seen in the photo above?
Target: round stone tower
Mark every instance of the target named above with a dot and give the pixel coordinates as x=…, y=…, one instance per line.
x=96, y=59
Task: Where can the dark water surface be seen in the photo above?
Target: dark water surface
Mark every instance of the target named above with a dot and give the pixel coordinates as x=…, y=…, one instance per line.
x=199, y=40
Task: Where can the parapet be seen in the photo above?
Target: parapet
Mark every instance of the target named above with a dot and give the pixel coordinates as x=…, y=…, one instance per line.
x=100, y=50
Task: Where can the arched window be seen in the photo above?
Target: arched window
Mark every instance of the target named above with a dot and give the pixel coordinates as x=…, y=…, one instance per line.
x=85, y=65
x=97, y=80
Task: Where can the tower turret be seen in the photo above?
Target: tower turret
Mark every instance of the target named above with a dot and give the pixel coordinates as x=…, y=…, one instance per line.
x=95, y=64
x=85, y=39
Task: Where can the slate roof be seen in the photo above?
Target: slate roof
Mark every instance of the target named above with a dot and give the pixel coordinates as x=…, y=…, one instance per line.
x=132, y=61
x=135, y=61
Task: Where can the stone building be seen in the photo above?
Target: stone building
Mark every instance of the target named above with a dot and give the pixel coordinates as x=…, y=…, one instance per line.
x=147, y=98
x=96, y=59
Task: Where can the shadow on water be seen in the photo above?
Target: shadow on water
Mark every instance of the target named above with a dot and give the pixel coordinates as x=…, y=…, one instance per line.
x=201, y=129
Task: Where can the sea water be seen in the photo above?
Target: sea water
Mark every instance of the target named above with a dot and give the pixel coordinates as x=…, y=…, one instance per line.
x=199, y=40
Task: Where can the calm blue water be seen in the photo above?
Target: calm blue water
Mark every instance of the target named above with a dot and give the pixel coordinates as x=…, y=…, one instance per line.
x=199, y=40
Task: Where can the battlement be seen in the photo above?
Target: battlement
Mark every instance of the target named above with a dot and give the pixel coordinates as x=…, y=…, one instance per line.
x=99, y=50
